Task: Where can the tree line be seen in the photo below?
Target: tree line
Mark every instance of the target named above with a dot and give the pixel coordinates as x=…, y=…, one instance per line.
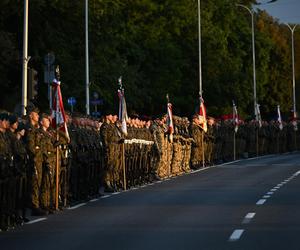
x=153, y=44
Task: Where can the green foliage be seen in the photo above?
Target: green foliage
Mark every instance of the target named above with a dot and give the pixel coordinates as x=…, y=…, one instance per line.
x=153, y=45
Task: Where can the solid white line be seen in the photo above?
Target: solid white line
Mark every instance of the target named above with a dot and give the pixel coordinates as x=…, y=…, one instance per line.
x=142, y=186
x=93, y=200
x=77, y=206
x=35, y=221
x=266, y=196
x=105, y=196
x=261, y=202
x=115, y=193
x=236, y=235
x=151, y=184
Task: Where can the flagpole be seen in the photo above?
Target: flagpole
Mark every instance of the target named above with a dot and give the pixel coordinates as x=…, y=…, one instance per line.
x=57, y=139
x=123, y=163
x=234, y=147
x=25, y=59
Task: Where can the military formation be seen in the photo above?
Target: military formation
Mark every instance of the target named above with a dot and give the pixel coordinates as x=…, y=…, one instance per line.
x=96, y=156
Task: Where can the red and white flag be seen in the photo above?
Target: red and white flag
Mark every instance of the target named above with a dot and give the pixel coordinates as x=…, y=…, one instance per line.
x=170, y=125
x=202, y=115
x=58, y=111
x=123, y=117
x=258, y=115
x=279, y=118
x=294, y=121
x=235, y=118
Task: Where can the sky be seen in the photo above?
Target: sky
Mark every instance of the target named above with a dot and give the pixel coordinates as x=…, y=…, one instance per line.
x=287, y=11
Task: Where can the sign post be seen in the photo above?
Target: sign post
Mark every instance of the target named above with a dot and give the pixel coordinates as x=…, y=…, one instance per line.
x=72, y=102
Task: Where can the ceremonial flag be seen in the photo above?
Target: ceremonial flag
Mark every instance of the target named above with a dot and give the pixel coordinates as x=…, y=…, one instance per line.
x=294, y=122
x=202, y=115
x=258, y=115
x=279, y=118
x=235, y=117
x=123, y=117
x=58, y=111
x=170, y=126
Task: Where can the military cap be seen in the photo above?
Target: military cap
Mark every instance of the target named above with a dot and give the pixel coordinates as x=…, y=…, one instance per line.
x=21, y=126
x=32, y=108
x=4, y=116
x=44, y=115
x=12, y=119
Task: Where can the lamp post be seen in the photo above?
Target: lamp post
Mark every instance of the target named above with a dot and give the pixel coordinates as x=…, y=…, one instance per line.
x=253, y=56
x=199, y=40
x=292, y=29
x=87, y=80
x=25, y=59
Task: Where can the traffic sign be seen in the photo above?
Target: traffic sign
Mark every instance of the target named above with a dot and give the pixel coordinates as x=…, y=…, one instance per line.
x=71, y=101
x=97, y=102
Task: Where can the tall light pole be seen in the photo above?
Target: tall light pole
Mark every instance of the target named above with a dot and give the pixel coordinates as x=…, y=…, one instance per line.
x=292, y=29
x=199, y=41
x=87, y=80
x=253, y=56
x=25, y=59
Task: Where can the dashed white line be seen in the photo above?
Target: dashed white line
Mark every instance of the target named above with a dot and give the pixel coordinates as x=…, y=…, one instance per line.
x=261, y=202
x=248, y=218
x=273, y=189
x=266, y=196
x=35, y=221
x=236, y=235
x=270, y=193
x=77, y=206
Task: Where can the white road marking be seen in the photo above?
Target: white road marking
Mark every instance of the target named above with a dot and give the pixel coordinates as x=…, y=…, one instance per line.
x=236, y=235
x=270, y=193
x=35, y=221
x=297, y=173
x=151, y=184
x=105, y=196
x=77, y=206
x=261, y=202
x=248, y=218
x=266, y=196
x=93, y=200
x=273, y=189
x=115, y=193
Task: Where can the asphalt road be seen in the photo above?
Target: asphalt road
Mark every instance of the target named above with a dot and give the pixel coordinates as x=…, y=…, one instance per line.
x=249, y=204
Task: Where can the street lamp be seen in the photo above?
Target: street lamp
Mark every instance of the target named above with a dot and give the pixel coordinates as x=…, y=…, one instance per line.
x=292, y=29
x=253, y=56
x=87, y=80
x=25, y=59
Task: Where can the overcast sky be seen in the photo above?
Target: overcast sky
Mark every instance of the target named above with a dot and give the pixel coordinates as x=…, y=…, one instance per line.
x=284, y=10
